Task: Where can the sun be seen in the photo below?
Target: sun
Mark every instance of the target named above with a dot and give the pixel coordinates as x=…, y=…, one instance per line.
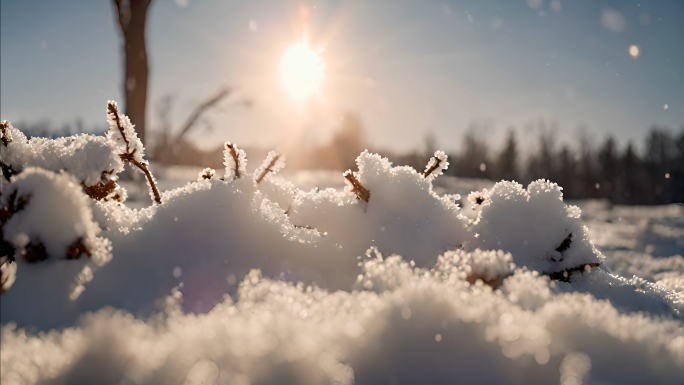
x=302, y=71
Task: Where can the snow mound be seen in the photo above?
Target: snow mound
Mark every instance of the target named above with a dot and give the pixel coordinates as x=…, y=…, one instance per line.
x=427, y=327
x=535, y=226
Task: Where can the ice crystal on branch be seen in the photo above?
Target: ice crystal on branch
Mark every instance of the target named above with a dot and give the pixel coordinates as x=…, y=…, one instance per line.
x=272, y=164
x=125, y=140
x=206, y=174
x=122, y=134
x=235, y=160
x=436, y=166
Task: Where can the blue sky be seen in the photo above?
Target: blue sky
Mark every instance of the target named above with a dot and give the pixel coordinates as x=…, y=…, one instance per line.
x=406, y=67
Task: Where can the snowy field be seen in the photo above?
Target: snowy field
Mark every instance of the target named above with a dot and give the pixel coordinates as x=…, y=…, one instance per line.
x=385, y=276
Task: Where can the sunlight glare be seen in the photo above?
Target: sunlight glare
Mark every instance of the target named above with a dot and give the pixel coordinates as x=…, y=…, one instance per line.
x=302, y=71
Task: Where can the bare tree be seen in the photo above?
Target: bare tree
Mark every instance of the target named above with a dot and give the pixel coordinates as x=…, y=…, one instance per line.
x=131, y=15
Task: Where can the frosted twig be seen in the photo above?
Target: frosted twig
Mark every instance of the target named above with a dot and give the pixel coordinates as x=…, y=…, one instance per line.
x=207, y=173
x=437, y=164
x=270, y=164
x=357, y=188
x=114, y=111
x=233, y=151
x=129, y=156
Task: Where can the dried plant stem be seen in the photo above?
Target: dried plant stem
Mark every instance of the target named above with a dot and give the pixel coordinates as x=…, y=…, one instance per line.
x=360, y=191
x=231, y=147
x=432, y=168
x=268, y=168
x=129, y=158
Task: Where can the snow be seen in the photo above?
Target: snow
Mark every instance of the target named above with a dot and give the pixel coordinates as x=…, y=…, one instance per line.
x=267, y=278
x=89, y=158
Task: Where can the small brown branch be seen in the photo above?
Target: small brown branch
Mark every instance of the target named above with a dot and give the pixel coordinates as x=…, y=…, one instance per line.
x=357, y=188
x=111, y=107
x=129, y=158
x=268, y=168
x=233, y=152
x=434, y=167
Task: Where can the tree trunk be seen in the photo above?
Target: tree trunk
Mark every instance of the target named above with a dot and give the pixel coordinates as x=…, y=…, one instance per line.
x=132, y=15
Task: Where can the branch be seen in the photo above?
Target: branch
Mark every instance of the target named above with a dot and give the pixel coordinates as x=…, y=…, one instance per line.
x=111, y=107
x=233, y=152
x=192, y=119
x=129, y=158
x=268, y=168
x=357, y=188
x=435, y=162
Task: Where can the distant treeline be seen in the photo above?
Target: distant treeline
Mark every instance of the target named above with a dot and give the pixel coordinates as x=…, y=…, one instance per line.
x=624, y=175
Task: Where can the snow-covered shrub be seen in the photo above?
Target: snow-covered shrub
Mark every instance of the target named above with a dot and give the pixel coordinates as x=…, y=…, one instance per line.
x=539, y=230
x=89, y=158
x=402, y=215
x=49, y=225
x=49, y=216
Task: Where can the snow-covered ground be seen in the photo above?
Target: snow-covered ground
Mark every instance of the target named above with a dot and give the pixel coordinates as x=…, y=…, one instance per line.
x=387, y=275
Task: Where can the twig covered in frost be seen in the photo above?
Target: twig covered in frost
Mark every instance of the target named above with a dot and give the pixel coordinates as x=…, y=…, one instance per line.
x=128, y=135
x=272, y=163
x=6, y=136
x=357, y=188
x=235, y=160
x=207, y=173
x=437, y=164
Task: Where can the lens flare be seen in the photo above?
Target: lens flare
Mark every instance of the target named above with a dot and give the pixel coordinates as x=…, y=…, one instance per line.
x=634, y=51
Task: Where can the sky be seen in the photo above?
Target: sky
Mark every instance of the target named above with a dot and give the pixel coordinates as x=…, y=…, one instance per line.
x=407, y=68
